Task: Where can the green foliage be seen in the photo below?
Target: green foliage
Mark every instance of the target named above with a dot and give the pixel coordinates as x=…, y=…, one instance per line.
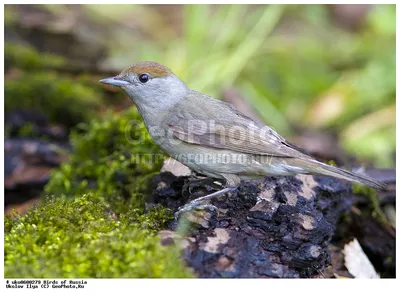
x=325, y=77
x=76, y=238
x=379, y=141
x=113, y=157
x=293, y=63
x=66, y=101
x=28, y=59
x=62, y=99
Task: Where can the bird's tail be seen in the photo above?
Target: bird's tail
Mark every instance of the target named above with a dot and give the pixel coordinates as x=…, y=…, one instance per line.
x=315, y=167
x=329, y=170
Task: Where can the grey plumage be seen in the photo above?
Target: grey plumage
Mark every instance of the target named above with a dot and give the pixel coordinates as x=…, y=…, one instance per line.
x=277, y=155
x=201, y=131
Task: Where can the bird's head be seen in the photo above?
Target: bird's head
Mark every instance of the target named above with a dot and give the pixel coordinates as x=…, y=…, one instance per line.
x=150, y=84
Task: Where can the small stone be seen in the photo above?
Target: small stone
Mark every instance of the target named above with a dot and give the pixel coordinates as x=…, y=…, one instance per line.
x=175, y=167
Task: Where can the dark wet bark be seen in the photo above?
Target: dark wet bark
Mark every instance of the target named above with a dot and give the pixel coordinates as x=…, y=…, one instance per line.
x=275, y=227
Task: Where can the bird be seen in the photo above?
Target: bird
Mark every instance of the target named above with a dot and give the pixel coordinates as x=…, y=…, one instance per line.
x=212, y=137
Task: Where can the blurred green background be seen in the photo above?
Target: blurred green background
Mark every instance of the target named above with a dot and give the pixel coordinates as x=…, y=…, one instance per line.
x=329, y=68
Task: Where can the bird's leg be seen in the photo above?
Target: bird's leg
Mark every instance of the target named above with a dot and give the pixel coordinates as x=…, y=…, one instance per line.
x=199, y=182
x=196, y=204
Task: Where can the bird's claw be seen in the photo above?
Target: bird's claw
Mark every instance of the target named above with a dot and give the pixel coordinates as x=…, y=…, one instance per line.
x=202, y=182
x=194, y=206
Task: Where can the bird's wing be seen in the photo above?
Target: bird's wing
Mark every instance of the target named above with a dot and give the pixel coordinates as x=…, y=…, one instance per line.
x=212, y=123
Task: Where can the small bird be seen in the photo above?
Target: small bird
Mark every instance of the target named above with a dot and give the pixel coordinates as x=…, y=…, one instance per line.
x=212, y=137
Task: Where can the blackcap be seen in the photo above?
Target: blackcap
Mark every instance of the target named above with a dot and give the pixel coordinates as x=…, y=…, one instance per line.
x=211, y=136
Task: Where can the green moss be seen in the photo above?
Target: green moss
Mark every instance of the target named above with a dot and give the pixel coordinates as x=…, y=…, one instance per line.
x=332, y=162
x=27, y=58
x=28, y=130
x=113, y=157
x=62, y=99
x=94, y=221
x=374, y=202
x=64, y=237
x=359, y=189
x=31, y=86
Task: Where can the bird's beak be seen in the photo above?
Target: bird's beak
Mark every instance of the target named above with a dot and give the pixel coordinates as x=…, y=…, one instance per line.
x=115, y=81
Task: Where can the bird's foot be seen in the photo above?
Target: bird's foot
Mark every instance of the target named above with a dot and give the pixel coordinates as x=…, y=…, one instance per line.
x=196, y=204
x=192, y=206
x=207, y=183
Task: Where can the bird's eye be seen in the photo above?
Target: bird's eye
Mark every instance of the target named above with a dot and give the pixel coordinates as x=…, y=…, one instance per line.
x=144, y=78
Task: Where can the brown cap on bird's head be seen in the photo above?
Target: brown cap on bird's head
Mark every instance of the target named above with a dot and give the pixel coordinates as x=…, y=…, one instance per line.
x=143, y=68
x=154, y=69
